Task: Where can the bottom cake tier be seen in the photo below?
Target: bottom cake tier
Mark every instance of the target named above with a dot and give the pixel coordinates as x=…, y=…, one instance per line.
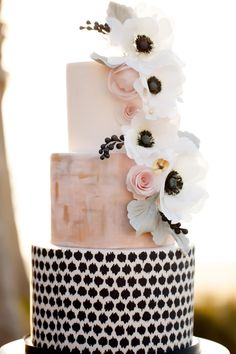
x=112, y=300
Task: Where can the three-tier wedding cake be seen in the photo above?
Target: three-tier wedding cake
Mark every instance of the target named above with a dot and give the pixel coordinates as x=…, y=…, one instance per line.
x=118, y=275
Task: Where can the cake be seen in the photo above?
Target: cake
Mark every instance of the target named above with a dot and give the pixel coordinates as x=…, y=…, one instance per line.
x=118, y=275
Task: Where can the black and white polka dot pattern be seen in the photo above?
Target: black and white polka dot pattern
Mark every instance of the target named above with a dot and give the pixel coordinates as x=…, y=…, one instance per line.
x=112, y=301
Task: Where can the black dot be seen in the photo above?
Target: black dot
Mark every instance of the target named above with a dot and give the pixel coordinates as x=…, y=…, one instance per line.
x=131, y=305
x=138, y=268
x=151, y=328
x=121, y=257
x=97, y=329
x=161, y=304
x=132, y=257
x=104, y=269
x=51, y=254
x=88, y=255
x=165, y=292
x=147, y=292
x=136, y=293
x=87, y=304
x=93, y=268
x=92, y=292
x=108, y=330
x=119, y=330
x=59, y=254
x=82, y=267
x=81, y=339
x=162, y=255
x=115, y=269
x=171, y=255
x=143, y=256
x=124, y=342
x=169, y=327
x=109, y=281
x=110, y=257
x=71, y=315
x=142, y=281
x=76, y=327
x=147, y=268
x=87, y=328
x=61, y=338
x=120, y=282
x=71, y=267
x=98, y=281
x=104, y=292
x=164, y=339
x=141, y=304
x=67, y=278
x=92, y=317
x=153, y=280
x=97, y=305
x=120, y=306
x=103, y=341
x=136, y=317
x=114, y=294
x=132, y=281
x=157, y=268
x=125, y=294
x=103, y=318
x=156, y=316
x=99, y=257
x=125, y=318
x=114, y=317
x=109, y=306
x=78, y=255
x=126, y=269
x=82, y=291
x=81, y=315
x=174, y=267
x=130, y=330
x=146, y=316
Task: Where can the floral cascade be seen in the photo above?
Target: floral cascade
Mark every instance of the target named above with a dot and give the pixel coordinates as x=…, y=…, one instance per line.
x=166, y=180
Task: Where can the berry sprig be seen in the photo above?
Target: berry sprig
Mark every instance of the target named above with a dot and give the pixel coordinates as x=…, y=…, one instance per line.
x=101, y=28
x=110, y=143
x=175, y=227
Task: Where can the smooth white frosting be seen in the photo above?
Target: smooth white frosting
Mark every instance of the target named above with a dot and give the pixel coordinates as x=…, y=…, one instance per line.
x=91, y=107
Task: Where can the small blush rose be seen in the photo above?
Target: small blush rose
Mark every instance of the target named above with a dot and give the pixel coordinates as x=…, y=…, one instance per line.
x=141, y=182
x=121, y=82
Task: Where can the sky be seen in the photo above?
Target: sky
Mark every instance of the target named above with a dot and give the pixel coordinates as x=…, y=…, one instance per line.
x=42, y=36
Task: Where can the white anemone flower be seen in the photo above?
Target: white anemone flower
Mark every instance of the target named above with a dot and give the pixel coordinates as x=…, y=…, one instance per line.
x=160, y=90
x=139, y=40
x=182, y=192
x=144, y=139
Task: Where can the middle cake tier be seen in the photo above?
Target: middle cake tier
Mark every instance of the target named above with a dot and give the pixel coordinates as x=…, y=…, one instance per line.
x=89, y=202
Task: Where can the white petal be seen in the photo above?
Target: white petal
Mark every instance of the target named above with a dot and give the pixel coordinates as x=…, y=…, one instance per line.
x=116, y=29
x=183, y=242
x=191, y=137
x=120, y=12
x=102, y=60
x=180, y=207
x=142, y=215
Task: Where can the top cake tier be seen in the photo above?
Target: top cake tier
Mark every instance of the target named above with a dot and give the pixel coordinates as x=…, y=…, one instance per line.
x=92, y=109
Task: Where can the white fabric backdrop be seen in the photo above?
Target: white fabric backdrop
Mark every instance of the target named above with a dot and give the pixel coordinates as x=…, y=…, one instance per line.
x=43, y=35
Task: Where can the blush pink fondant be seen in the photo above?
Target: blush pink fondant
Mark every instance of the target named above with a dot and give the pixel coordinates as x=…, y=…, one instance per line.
x=89, y=202
x=92, y=108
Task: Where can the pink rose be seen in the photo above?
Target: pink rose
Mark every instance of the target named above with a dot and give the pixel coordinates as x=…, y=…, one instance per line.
x=121, y=82
x=141, y=182
x=129, y=112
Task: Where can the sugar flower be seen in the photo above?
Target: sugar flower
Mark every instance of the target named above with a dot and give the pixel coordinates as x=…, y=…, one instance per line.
x=160, y=90
x=140, y=40
x=146, y=138
x=121, y=82
x=181, y=192
x=142, y=182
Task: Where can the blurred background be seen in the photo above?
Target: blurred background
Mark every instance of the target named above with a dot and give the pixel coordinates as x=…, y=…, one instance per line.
x=38, y=38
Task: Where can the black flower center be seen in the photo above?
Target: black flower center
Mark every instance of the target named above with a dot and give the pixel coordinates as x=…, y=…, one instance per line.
x=143, y=44
x=145, y=139
x=154, y=85
x=174, y=183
